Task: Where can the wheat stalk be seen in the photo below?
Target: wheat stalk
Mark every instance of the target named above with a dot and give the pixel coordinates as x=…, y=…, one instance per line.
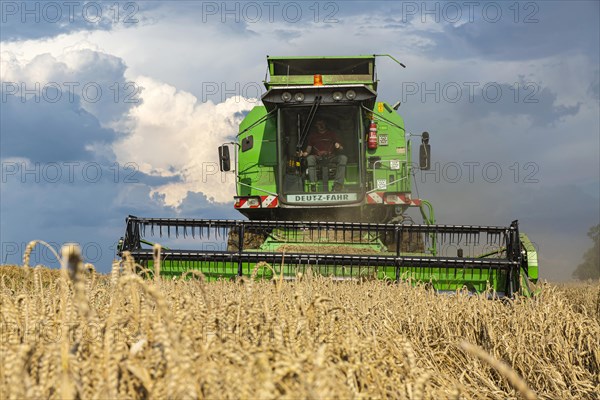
x=506, y=371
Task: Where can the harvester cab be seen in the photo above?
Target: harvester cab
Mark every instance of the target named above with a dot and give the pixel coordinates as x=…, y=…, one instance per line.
x=323, y=172
x=321, y=146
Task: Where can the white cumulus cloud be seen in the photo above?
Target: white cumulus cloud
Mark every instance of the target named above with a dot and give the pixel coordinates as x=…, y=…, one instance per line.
x=175, y=135
x=167, y=133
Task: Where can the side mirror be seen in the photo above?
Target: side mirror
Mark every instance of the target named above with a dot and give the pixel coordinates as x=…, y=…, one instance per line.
x=425, y=152
x=224, y=158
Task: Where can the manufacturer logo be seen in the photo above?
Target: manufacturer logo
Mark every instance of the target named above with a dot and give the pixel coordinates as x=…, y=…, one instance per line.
x=321, y=198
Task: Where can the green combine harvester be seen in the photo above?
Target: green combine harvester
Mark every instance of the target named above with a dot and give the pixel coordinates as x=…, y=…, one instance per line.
x=324, y=178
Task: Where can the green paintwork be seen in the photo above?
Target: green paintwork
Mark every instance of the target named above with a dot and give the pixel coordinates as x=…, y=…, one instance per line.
x=532, y=258
x=257, y=167
x=442, y=279
x=391, y=126
x=279, y=241
x=289, y=79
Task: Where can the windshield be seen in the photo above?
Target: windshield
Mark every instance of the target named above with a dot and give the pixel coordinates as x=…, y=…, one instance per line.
x=320, y=154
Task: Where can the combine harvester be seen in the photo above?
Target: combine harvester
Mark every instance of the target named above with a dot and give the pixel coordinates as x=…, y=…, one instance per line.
x=323, y=174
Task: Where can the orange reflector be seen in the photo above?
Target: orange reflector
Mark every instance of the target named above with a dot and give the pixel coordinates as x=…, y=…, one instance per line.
x=318, y=80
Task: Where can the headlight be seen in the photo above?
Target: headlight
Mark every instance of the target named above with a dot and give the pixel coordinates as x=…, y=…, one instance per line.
x=253, y=202
x=337, y=96
x=299, y=97
x=392, y=199
x=286, y=96
x=350, y=94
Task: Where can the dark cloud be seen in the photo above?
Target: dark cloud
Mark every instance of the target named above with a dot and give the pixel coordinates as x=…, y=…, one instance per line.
x=554, y=29
x=493, y=127
x=58, y=213
x=49, y=132
x=554, y=216
x=89, y=213
x=563, y=208
x=196, y=205
x=594, y=88
x=61, y=119
x=522, y=30
x=537, y=103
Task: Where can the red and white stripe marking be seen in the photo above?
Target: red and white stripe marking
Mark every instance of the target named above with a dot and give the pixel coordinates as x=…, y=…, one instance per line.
x=269, y=201
x=242, y=202
x=392, y=199
x=375, y=198
x=265, y=202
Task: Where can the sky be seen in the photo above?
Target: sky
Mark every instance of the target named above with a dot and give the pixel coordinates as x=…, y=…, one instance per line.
x=117, y=108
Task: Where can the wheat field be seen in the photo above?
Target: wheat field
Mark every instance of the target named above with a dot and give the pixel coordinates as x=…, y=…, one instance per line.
x=79, y=334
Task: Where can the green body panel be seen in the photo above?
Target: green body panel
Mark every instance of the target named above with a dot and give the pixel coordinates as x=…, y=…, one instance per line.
x=281, y=241
x=532, y=258
x=257, y=167
x=441, y=279
x=327, y=80
x=392, y=148
x=260, y=169
x=289, y=71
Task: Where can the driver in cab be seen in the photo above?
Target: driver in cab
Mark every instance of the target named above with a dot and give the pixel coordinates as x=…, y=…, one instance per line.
x=323, y=148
